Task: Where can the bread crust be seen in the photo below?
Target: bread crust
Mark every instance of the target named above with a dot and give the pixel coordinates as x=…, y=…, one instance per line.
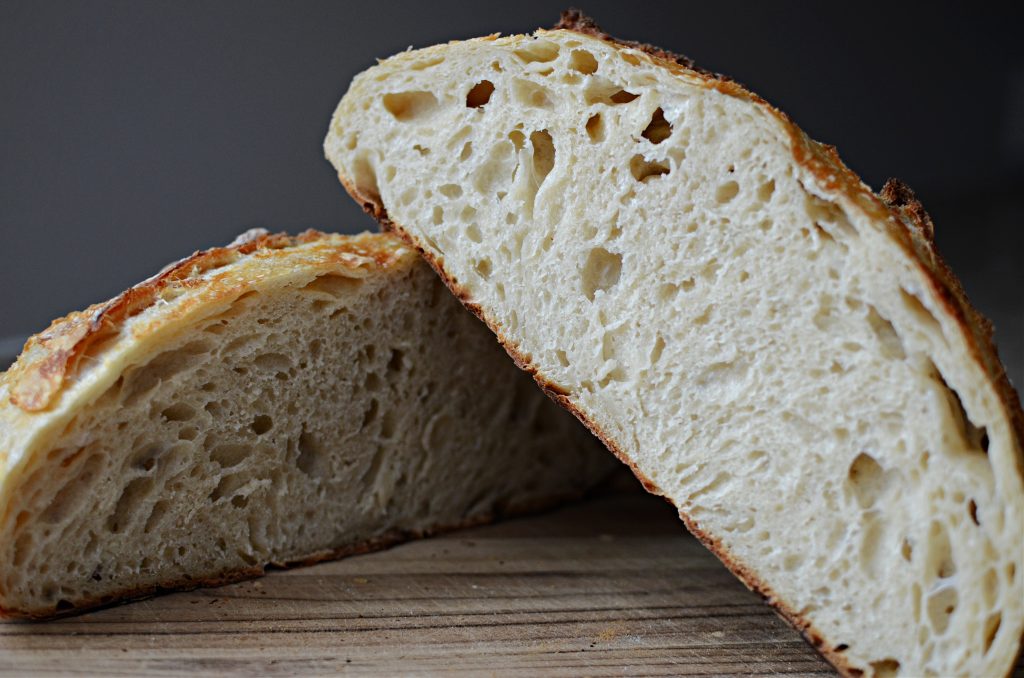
x=896, y=207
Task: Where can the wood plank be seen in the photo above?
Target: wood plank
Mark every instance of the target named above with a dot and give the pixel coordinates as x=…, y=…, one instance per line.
x=613, y=586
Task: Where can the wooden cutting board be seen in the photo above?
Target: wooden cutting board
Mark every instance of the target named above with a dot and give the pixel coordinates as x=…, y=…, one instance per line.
x=613, y=586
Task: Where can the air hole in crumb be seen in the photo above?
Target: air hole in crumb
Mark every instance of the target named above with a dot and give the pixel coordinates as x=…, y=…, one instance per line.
x=261, y=424
x=370, y=414
x=885, y=668
x=480, y=94
x=601, y=271
x=601, y=91
x=451, y=191
x=941, y=606
x=473, y=233
x=467, y=151
x=311, y=454
x=595, y=128
x=229, y=455
x=127, y=504
x=972, y=511
x=917, y=309
x=992, y=628
x=563, y=359
x=656, y=351
x=483, y=267
x=975, y=437
x=583, y=61
x=658, y=129
x=331, y=285
x=644, y=170
x=543, y=155
x=823, y=235
x=888, y=339
x=396, y=361
x=766, y=190
x=867, y=479
x=530, y=94
x=276, y=362
x=538, y=50
x=726, y=192
x=405, y=106
x=907, y=550
x=940, y=562
x=157, y=514
x=178, y=412
x=69, y=498
x=388, y=424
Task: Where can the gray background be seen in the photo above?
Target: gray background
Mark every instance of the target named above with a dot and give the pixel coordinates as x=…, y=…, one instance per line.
x=132, y=133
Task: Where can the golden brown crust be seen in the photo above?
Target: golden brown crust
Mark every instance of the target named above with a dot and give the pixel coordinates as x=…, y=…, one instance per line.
x=378, y=543
x=897, y=206
x=52, y=356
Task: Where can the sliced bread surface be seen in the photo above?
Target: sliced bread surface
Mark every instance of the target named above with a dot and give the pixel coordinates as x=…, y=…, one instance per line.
x=769, y=344
x=274, y=402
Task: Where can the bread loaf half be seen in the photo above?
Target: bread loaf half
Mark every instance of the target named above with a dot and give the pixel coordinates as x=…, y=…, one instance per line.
x=278, y=401
x=770, y=345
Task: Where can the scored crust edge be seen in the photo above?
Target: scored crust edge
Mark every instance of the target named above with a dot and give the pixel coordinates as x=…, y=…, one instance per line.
x=896, y=205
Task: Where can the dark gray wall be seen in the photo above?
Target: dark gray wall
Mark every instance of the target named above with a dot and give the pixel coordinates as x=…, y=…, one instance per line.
x=132, y=133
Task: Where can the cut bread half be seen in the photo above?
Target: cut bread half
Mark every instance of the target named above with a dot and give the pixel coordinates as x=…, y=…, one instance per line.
x=274, y=402
x=771, y=346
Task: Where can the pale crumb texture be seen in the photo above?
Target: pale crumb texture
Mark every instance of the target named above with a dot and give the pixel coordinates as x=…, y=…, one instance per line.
x=310, y=407
x=762, y=346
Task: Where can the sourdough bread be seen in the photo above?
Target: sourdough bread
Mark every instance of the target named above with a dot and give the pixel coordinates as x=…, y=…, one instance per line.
x=767, y=343
x=278, y=401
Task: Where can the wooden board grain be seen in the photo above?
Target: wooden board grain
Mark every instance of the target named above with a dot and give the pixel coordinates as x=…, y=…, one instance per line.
x=612, y=586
